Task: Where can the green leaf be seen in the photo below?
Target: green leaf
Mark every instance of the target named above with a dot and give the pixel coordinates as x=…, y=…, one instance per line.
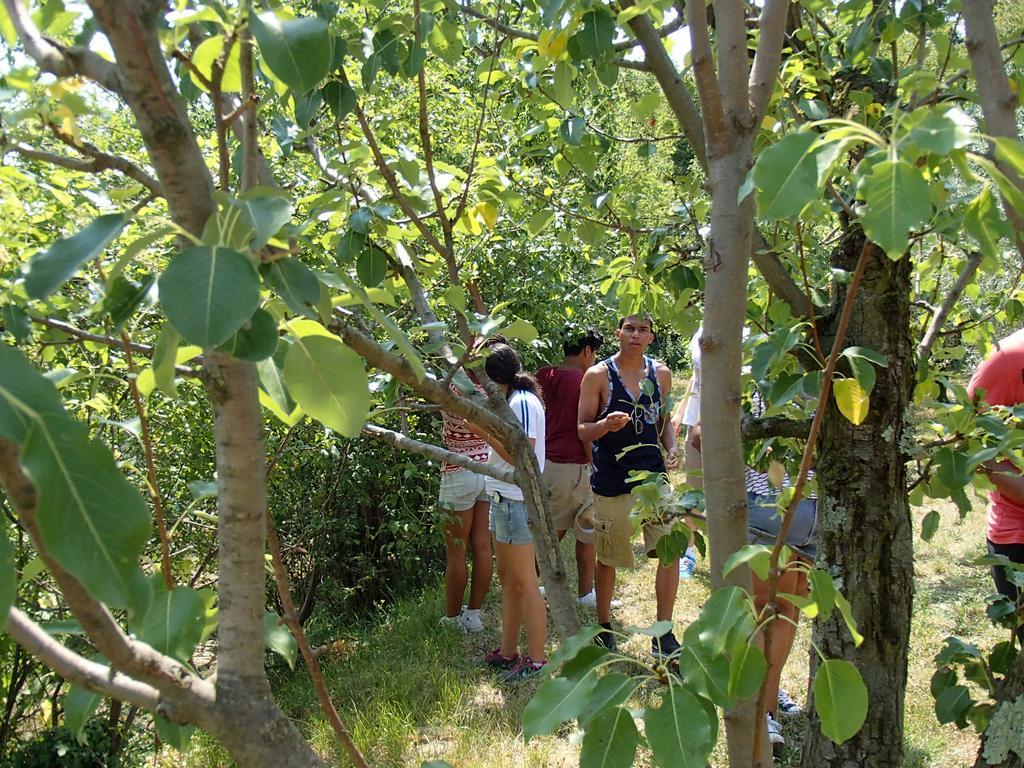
x=571, y=646
x=386, y=48
x=266, y=212
x=350, y=245
x=756, y=556
x=706, y=675
x=594, y=38
x=49, y=270
x=25, y=395
x=573, y=130
x=172, y=734
x=679, y=731
x=8, y=579
x=297, y=51
x=610, y=741
x=278, y=638
x=79, y=705
x=1011, y=152
x=164, y=355
x=329, y=382
x=929, y=525
x=307, y=107
x=851, y=625
x=296, y=283
x=256, y=340
x=841, y=699
x=174, y=622
x=747, y=668
x=372, y=266
x=786, y=176
x=538, y=221
x=896, y=200
x=984, y=223
x=207, y=53
x=952, y=703
x=208, y=293
x=823, y=591
x=725, y=615
x=123, y=297
x=647, y=104
x=557, y=700
x=16, y=322
x=230, y=228
x=520, y=329
x=611, y=690
x=92, y=520
x=942, y=132
x=340, y=98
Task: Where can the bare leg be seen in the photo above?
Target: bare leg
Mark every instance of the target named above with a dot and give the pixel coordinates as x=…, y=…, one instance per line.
x=604, y=580
x=783, y=631
x=666, y=582
x=511, y=608
x=456, y=534
x=483, y=564
x=521, y=581
x=585, y=558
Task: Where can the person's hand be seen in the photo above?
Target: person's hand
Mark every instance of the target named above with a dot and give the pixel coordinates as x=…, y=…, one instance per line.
x=695, y=438
x=616, y=420
x=672, y=458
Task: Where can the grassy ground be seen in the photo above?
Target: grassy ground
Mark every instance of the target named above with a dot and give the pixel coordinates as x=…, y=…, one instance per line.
x=411, y=691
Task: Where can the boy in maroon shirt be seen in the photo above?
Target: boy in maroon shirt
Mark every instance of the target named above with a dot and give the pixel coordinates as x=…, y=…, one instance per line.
x=567, y=469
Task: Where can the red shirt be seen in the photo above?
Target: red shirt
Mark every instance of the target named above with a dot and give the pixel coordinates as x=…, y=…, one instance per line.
x=561, y=403
x=1001, y=375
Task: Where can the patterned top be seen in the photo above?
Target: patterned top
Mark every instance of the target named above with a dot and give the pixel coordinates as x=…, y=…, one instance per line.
x=458, y=439
x=758, y=483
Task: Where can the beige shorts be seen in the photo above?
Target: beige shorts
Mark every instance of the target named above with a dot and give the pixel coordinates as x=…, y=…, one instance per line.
x=613, y=531
x=461, y=490
x=572, y=501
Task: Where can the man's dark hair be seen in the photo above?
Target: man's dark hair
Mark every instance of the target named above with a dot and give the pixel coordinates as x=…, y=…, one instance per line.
x=574, y=343
x=642, y=315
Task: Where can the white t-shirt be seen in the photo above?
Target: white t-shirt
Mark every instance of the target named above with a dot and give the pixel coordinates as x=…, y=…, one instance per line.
x=691, y=416
x=530, y=411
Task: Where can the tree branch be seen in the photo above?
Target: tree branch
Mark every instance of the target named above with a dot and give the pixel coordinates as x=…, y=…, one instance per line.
x=765, y=69
x=758, y=428
x=406, y=443
x=673, y=26
x=733, y=61
x=57, y=59
x=104, y=160
x=77, y=669
x=932, y=334
x=97, y=163
x=704, y=74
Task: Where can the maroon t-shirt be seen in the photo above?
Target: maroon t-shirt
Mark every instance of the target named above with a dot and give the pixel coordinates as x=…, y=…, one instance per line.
x=561, y=402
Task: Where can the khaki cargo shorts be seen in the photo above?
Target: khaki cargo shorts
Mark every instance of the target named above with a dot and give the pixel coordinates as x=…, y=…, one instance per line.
x=613, y=531
x=572, y=501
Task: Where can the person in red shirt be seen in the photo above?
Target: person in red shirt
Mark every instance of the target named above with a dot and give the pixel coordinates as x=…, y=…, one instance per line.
x=999, y=380
x=567, y=469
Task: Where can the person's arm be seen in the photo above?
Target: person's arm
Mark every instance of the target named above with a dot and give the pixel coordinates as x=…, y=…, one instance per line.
x=680, y=411
x=1006, y=478
x=665, y=428
x=591, y=395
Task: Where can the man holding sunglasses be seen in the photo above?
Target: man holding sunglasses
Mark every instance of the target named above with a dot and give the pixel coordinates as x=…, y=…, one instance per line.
x=622, y=414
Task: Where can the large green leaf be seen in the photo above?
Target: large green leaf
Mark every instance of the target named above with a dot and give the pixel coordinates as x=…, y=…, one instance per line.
x=984, y=223
x=328, y=380
x=896, y=200
x=24, y=395
x=747, y=669
x=594, y=38
x=679, y=731
x=707, y=675
x=610, y=741
x=256, y=340
x=49, y=270
x=172, y=734
x=278, y=638
x=557, y=700
x=340, y=98
x=266, y=212
x=79, y=706
x=942, y=132
x=786, y=176
x=92, y=520
x=208, y=293
x=841, y=699
x=612, y=689
x=174, y=622
x=297, y=51
x=296, y=283
x=164, y=356
x=725, y=616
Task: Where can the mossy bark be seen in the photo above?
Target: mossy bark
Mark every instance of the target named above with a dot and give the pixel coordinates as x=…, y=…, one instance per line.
x=865, y=538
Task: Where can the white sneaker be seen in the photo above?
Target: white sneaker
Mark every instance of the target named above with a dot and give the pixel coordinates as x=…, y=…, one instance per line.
x=469, y=621
x=589, y=600
x=787, y=707
x=774, y=733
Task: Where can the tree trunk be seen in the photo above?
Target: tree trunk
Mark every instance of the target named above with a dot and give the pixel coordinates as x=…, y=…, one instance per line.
x=865, y=536
x=721, y=361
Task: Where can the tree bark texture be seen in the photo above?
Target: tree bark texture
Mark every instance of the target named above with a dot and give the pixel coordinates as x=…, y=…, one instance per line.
x=865, y=533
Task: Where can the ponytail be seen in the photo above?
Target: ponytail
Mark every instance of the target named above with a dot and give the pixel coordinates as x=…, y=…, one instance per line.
x=503, y=366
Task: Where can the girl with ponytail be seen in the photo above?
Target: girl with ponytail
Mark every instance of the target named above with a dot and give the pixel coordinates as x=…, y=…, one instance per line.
x=521, y=602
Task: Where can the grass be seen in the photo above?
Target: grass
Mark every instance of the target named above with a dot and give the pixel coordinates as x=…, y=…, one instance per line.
x=411, y=691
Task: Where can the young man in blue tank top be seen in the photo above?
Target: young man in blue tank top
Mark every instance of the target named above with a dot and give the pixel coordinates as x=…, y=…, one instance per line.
x=623, y=413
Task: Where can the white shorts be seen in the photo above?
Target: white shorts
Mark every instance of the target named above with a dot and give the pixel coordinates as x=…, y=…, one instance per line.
x=461, y=490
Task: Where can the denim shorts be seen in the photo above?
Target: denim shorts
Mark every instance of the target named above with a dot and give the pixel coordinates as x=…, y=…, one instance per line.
x=508, y=521
x=764, y=522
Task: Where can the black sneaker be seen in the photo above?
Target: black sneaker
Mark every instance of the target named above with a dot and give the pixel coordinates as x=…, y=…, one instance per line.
x=665, y=647
x=605, y=638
